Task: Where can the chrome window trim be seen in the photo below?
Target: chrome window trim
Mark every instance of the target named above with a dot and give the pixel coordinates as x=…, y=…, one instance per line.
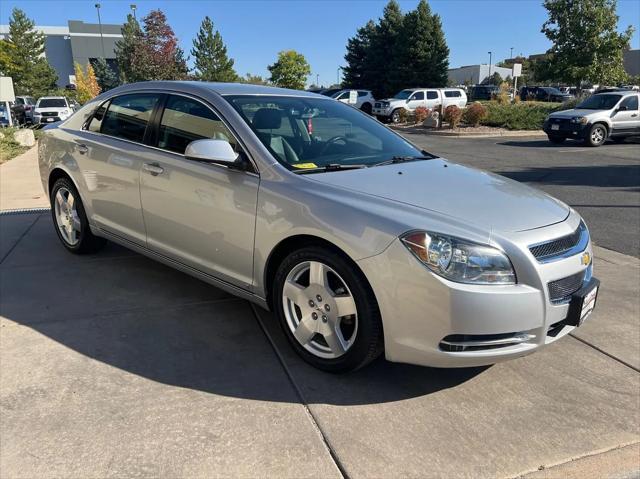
x=578, y=248
x=256, y=171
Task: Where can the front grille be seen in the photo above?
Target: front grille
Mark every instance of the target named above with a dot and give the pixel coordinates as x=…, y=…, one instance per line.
x=558, y=247
x=49, y=113
x=561, y=290
x=377, y=104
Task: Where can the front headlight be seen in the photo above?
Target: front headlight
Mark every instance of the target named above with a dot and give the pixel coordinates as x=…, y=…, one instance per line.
x=460, y=260
x=581, y=120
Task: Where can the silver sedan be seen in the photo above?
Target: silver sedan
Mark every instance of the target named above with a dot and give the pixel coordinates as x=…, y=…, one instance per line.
x=359, y=242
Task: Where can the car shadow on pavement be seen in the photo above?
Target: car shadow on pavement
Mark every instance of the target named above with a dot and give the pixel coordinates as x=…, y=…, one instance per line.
x=608, y=176
x=141, y=318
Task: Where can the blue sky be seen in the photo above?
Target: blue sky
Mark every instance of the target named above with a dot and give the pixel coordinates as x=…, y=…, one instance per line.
x=255, y=31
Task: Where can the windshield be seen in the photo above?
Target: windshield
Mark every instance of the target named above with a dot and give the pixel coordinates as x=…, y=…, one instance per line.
x=52, y=103
x=599, y=102
x=307, y=133
x=337, y=94
x=553, y=91
x=403, y=95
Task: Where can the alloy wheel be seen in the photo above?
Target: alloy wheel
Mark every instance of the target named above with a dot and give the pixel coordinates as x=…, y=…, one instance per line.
x=67, y=217
x=597, y=135
x=320, y=310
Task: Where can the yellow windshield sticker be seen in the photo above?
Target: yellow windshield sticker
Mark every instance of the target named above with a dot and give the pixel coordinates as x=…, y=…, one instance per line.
x=304, y=165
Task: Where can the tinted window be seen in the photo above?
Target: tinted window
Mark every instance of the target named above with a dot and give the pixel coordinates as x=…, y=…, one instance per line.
x=362, y=93
x=432, y=95
x=52, y=103
x=599, y=102
x=98, y=116
x=19, y=101
x=630, y=102
x=403, y=95
x=419, y=95
x=128, y=115
x=185, y=120
x=452, y=94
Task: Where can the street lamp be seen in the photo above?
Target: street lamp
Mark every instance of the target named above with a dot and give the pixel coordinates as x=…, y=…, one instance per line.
x=100, y=24
x=490, y=53
x=511, y=54
x=317, y=79
x=133, y=9
x=338, y=75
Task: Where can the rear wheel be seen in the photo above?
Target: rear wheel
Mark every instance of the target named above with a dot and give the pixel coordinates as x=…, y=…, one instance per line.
x=327, y=310
x=70, y=219
x=597, y=134
x=556, y=139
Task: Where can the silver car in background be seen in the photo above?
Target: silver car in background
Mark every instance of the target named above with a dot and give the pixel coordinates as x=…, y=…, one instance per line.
x=359, y=242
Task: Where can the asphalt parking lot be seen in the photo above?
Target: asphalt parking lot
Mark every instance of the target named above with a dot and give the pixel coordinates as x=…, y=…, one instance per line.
x=602, y=184
x=113, y=365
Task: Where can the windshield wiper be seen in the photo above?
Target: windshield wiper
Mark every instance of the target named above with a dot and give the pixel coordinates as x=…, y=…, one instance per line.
x=403, y=159
x=329, y=167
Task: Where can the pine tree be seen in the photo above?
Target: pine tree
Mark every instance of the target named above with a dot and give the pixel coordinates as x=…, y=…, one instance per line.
x=107, y=78
x=22, y=52
x=439, y=54
x=126, y=48
x=383, y=57
x=415, y=68
x=210, y=53
x=358, y=73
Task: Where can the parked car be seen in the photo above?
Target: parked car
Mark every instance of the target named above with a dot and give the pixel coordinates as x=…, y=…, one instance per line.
x=7, y=117
x=330, y=91
x=50, y=109
x=357, y=240
x=600, y=117
x=483, y=92
x=23, y=109
x=544, y=93
x=364, y=99
x=410, y=99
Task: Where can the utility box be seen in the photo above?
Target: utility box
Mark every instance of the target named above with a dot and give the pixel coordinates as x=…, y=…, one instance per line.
x=6, y=89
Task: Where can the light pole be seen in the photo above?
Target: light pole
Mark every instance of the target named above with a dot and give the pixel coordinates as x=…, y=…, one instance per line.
x=317, y=79
x=338, y=76
x=490, y=53
x=133, y=9
x=511, y=54
x=100, y=24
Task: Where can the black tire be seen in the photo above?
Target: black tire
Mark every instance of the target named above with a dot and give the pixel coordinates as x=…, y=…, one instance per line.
x=366, y=107
x=556, y=139
x=597, y=135
x=368, y=343
x=87, y=242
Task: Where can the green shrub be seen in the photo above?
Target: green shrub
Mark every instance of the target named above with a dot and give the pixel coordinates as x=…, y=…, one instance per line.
x=9, y=148
x=474, y=113
x=518, y=116
x=420, y=114
x=452, y=115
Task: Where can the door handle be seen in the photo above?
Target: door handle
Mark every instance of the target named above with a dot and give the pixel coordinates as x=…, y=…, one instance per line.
x=154, y=168
x=82, y=148
x=634, y=115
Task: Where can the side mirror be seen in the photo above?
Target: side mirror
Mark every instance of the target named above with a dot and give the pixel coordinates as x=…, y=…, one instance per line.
x=623, y=108
x=213, y=151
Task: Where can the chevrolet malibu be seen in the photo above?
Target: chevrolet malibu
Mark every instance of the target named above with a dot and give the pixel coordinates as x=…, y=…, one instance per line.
x=358, y=241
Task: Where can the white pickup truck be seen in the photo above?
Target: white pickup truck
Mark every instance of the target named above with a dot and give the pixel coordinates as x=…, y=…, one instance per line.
x=410, y=99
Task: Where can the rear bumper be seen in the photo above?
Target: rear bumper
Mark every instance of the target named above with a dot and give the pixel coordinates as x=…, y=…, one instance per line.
x=431, y=321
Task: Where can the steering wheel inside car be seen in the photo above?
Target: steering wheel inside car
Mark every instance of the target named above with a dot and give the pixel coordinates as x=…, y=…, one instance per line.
x=330, y=142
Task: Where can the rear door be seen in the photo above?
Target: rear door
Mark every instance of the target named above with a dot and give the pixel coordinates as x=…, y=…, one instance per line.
x=110, y=153
x=626, y=119
x=200, y=214
x=433, y=99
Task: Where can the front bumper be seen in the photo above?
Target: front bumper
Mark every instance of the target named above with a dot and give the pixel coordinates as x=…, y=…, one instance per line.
x=431, y=321
x=46, y=119
x=382, y=111
x=564, y=127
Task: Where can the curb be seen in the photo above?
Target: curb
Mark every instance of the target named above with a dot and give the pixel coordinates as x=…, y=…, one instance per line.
x=493, y=134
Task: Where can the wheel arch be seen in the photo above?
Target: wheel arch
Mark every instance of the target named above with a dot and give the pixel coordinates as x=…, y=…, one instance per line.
x=293, y=243
x=55, y=175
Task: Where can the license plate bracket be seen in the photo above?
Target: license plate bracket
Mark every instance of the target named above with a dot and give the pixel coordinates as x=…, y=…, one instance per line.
x=582, y=304
x=555, y=127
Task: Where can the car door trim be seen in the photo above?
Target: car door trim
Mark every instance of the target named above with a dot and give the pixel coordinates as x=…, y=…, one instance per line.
x=207, y=278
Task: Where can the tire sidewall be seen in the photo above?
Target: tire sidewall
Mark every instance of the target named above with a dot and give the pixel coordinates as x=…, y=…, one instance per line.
x=591, y=130
x=369, y=334
x=84, y=224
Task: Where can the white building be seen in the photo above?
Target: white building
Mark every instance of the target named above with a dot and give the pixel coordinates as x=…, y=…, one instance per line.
x=475, y=74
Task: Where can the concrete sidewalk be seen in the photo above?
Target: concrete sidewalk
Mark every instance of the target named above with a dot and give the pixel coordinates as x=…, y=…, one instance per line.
x=114, y=365
x=20, y=186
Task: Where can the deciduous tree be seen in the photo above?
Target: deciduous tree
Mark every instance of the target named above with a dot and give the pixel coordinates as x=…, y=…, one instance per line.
x=86, y=83
x=210, y=53
x=290, y=70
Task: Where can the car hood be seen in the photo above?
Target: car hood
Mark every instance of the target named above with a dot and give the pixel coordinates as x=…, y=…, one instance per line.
x=573, y=112
x=467, y=194
x=393, y=100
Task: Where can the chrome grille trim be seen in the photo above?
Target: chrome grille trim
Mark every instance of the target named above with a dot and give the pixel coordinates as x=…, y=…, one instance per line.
x=560, y=291
x=563, y=247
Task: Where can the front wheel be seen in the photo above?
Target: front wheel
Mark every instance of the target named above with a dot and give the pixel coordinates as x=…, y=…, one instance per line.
x=327, y=310
x=395, y=116
x=556, y=139
x=597, y=134
x=366, y=107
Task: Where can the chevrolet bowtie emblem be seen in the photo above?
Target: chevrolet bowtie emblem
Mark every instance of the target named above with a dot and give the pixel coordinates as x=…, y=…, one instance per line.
x=586, y=258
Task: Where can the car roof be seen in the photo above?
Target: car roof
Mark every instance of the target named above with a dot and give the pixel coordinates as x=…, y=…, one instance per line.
x=617, y=92
x=224, y=89
x=52, y=98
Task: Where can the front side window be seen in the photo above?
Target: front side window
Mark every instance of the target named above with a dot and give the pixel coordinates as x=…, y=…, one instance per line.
x=631, y=103
x=362, y=93
x=419, y=95
x=128, y=116
x=432, y=95
x=185, y=120
x=322, y=132
x=96, y=121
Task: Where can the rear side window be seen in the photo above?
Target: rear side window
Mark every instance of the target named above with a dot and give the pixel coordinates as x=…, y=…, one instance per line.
x=630, y=102
x=419, y=95
x=432, y=95
x=96, y=121
x=128, y=115
x=19, y=101
x=452, y=94
x=185, y=120
x=362, y=93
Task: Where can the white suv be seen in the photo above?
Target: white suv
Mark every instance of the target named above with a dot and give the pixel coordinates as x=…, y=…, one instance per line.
x=50, y=109
x=362, y=99
x=410, y=99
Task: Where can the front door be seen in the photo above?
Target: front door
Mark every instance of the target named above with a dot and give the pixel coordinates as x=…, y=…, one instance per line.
x=200, y=214
x=626, y=119
x=416, y=100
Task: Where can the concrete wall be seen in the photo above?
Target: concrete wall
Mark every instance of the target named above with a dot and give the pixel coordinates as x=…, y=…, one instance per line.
x=58, y=54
